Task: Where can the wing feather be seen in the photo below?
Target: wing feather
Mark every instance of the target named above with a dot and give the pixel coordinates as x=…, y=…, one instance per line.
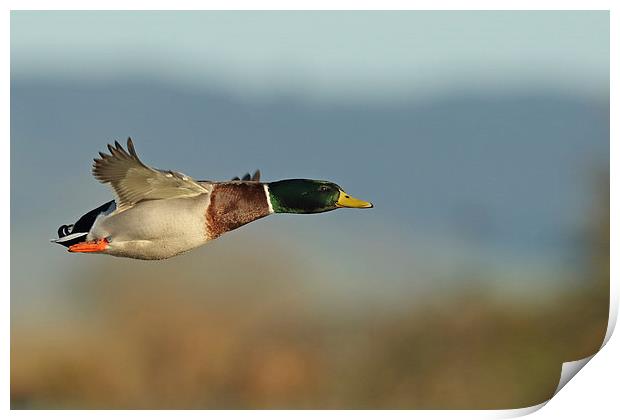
x=133, y=181
x=247, y=177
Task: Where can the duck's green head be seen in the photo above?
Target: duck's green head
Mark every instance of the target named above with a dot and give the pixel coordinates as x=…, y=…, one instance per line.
x=310, y=196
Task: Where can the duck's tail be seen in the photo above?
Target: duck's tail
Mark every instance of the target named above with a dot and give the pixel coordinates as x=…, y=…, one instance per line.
x=75, y=233
x=66, y=237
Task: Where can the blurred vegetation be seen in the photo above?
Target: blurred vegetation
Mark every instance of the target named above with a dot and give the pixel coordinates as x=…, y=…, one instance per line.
x=154, y=335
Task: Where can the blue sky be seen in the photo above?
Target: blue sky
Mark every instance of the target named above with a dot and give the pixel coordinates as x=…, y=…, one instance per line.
x=321, y=55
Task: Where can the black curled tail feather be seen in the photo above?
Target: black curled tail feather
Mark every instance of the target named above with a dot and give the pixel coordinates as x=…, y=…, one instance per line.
x=64, y=230
x=75, y=233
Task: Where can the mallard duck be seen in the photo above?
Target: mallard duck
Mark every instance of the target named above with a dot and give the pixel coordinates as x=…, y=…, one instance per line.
x=158, y=214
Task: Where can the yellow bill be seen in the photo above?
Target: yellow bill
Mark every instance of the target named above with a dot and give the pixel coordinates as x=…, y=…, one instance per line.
x=345, y=200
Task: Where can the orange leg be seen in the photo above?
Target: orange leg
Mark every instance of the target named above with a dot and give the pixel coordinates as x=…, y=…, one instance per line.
x=92, y=246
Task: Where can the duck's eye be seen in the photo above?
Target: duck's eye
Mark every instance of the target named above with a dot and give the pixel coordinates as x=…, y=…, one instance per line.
x=323, y=188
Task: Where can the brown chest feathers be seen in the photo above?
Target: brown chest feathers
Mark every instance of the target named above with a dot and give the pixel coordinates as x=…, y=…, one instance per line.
x=233, y=205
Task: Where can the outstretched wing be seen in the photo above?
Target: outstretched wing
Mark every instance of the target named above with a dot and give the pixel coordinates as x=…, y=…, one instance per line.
x=133, y=181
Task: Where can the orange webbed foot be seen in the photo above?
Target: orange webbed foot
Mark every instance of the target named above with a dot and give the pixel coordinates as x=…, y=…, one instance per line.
x=90, y=246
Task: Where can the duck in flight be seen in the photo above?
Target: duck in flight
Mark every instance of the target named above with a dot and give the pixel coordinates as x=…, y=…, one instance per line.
x=158, y=214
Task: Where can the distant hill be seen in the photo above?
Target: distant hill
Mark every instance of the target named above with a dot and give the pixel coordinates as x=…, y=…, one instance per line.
x=508, y=168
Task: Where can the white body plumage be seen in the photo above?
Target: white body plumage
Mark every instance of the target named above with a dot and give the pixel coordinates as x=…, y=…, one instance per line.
x=155, y=229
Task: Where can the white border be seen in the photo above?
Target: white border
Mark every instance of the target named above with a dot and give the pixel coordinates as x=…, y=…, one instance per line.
x=596, y=385
x=313, y=5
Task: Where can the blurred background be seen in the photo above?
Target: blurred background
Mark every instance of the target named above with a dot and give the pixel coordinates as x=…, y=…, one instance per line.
x=482, y=138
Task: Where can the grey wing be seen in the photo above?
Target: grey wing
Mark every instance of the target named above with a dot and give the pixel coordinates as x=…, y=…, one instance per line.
x=247, y=177
x=133, y=181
